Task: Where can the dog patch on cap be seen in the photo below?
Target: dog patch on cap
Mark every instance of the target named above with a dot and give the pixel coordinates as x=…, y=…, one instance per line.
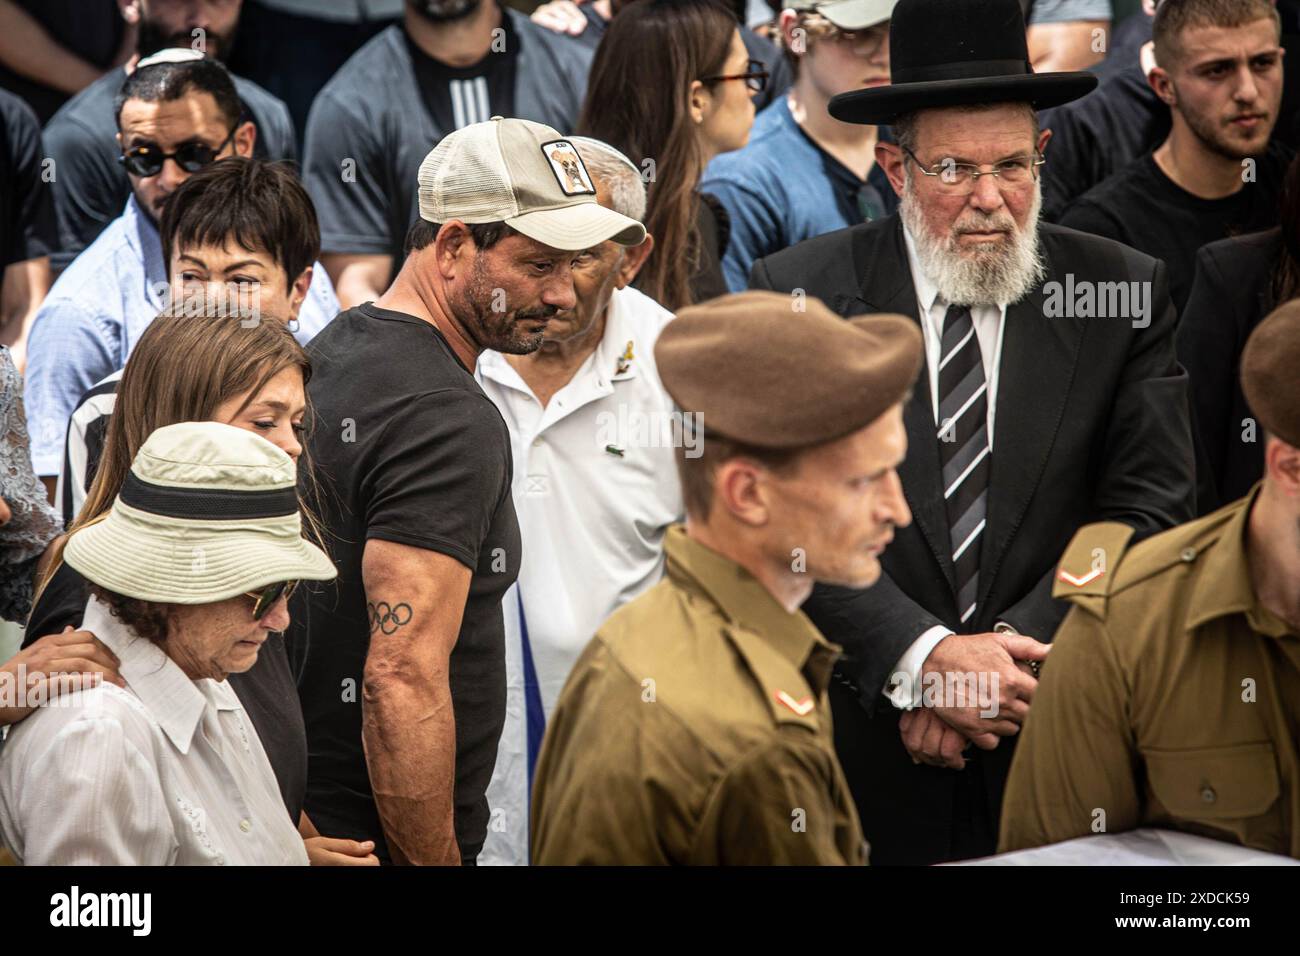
x=568, y=167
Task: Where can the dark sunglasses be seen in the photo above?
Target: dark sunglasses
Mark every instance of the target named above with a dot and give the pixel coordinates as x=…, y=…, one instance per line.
x=146, y=161
x=755, y=77
x=267, y=597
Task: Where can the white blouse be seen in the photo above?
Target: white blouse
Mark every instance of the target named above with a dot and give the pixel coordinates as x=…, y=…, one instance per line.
x=167, y=771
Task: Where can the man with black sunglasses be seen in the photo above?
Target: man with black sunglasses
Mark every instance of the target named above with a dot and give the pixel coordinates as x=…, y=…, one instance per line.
x=178, y=113
x=175, y=116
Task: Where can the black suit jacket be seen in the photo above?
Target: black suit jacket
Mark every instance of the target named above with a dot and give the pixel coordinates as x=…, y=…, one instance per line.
x=1091, y=424
x=1231, y=295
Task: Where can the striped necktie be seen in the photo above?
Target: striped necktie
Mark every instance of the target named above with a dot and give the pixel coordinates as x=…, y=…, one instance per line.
x=964, y=453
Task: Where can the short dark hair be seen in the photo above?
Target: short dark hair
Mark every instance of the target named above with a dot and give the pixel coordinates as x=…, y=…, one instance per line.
x=260, y=204
x=148, y=619
x=485, y=234
x=166, y=82
x=1172, y=19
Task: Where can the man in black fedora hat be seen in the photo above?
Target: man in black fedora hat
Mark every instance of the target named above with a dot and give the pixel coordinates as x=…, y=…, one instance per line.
x=1051, y=399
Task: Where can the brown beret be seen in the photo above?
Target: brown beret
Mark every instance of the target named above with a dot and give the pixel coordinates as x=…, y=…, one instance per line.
x=1269, y=376
x=762, y=372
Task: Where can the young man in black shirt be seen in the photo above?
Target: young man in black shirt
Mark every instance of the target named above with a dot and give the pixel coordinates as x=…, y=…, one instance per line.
x=448, y=64
x=90, y=187
x=402, y=662
x=1216, y=174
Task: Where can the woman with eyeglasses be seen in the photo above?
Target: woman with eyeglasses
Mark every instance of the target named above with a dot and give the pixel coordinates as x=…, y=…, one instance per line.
x=189, y=572
x=250, y=375
x=672, y=86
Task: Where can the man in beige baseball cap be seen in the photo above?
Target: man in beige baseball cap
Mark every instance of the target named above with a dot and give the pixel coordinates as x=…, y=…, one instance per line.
x=426, y=539
x=506, y=207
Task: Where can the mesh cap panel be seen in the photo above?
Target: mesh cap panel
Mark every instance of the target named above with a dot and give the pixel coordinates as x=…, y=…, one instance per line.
x=465, y=178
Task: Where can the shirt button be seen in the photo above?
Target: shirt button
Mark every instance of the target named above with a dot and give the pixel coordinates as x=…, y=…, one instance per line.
x=537, y=443
x=245, y=825
x=1188, y=554
x=1208, y=795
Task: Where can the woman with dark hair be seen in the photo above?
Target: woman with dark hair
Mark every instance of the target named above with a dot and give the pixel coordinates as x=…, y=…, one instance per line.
x=671, y=87
x=251, y=375
x=1238, y=282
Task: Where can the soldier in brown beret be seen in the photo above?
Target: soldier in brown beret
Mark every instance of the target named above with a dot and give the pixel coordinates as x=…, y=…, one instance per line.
x=694, y=729
x=1172, y=697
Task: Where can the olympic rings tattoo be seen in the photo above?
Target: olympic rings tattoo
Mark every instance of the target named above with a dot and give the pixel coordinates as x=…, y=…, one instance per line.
x=388, y=618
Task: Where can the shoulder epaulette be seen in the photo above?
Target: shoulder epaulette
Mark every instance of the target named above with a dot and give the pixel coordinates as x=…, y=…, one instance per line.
x=1088, y=565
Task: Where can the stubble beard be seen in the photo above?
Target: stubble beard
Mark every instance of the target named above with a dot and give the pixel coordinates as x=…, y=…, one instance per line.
x=1215, y=137
x=500, y=331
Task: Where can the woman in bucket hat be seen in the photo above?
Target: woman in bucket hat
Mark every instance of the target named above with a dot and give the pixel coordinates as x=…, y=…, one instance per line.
x=189, y=573
x=250, y=374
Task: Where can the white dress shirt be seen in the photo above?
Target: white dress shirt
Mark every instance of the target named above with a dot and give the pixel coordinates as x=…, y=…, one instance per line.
x=989, y=322
x=595, y=489
x=168, y=771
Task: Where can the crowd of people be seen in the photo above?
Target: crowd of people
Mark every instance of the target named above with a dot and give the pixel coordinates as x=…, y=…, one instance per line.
x=586, y=452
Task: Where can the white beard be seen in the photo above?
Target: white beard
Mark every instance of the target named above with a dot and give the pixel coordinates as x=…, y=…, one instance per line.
x=994, y=274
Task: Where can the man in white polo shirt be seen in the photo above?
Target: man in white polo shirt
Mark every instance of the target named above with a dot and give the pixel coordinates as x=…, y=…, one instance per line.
x=595, y=485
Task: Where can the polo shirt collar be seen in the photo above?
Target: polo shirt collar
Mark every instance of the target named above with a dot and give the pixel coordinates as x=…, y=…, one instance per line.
x=746, y=603
x=171, y=698
x=1227, y=569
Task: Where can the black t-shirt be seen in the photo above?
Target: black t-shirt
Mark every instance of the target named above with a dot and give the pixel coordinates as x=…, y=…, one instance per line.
x=27, y=226
x=461, y=96
x=407, y=449
x=1099, y=135
x=266, y=689
x=1142, y=207
x=91, y=187
x=91, y=29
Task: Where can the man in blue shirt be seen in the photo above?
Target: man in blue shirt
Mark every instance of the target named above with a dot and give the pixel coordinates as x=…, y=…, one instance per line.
x=177, y=113
x=804, y=173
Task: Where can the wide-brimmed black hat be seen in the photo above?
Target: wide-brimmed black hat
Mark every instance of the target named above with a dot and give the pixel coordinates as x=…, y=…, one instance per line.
x=958, y=52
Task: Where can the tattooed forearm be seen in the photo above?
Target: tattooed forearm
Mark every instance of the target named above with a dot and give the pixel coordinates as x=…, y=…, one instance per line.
x=387, y=618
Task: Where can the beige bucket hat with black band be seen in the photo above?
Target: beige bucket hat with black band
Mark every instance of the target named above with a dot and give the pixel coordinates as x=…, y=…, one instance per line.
x=207, y=512
x=526, y=175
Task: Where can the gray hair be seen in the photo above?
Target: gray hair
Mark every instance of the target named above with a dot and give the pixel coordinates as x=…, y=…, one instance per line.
x=618, y=174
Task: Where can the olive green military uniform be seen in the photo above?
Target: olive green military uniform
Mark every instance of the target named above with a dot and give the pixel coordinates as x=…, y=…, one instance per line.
x=1170, y=699
x=695, y=729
